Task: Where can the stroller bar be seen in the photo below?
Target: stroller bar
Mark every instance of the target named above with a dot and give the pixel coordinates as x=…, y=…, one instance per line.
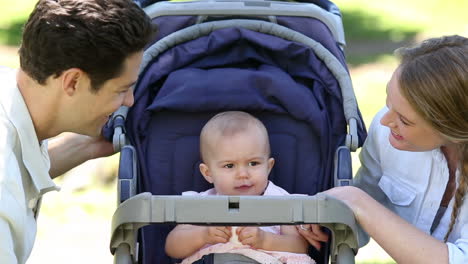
x=117, y=121
x=144, y=209
x=251, y=8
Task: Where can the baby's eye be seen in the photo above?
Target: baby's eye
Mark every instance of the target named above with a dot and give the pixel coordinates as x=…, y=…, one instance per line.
x=254, y=163
x=229, y=166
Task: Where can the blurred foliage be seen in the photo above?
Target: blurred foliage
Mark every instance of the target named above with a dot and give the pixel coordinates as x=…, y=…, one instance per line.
x=360, y=24
x=11, y=34
x=374, y=29
x=12, y=18
x=383, y=21
x=368, y=38
x=432, y=17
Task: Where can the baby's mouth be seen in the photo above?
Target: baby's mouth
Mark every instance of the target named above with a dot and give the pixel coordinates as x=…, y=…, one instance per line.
x=243, y=187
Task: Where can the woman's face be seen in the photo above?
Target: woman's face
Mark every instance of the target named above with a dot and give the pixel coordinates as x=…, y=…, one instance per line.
x=409, y=131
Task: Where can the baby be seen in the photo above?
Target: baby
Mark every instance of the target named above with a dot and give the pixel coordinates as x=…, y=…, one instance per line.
x=235, y=153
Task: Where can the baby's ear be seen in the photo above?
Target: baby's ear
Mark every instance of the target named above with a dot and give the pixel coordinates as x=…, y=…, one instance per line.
x=271, y=162
x=205, y=171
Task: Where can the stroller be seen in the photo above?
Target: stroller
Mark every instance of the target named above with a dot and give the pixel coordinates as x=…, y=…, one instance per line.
x=282, y=62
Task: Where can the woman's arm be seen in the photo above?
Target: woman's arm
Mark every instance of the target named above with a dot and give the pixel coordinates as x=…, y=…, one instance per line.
x=289, y=240
x=69, y=150
x=184, y=240
x=402, y=241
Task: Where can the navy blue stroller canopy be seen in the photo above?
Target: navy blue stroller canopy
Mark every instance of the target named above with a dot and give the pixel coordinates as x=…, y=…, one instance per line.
x=239, y=69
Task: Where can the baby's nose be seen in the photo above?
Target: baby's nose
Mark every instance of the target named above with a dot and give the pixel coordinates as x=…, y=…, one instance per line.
x=243, y=172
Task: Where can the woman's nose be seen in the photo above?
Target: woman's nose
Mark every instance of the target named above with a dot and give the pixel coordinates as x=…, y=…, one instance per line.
x=388, y=119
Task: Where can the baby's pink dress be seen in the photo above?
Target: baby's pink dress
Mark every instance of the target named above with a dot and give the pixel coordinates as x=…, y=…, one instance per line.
x=234, y=246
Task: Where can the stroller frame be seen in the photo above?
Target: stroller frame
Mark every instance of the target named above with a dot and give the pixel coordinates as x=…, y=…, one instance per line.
x=138, y=210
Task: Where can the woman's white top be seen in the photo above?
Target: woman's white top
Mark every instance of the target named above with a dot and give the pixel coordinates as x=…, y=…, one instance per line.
x=411, y=184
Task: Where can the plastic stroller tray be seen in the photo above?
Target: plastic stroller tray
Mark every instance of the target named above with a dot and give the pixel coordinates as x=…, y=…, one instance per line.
x=144, y=209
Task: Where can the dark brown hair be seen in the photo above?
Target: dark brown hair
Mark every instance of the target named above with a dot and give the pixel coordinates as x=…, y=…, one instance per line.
x=95, y=36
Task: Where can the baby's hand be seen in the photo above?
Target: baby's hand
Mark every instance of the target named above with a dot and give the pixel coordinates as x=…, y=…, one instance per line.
x=251, y=235
x=217, y=234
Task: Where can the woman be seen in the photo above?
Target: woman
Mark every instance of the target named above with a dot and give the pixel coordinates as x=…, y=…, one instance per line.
x=414, y=174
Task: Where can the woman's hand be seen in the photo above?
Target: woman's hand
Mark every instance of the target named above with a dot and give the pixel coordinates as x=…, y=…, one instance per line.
x=352, y=196
x=313, y=234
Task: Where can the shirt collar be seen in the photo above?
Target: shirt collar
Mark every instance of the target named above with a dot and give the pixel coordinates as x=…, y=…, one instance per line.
x=35, y=155
x=438, y=155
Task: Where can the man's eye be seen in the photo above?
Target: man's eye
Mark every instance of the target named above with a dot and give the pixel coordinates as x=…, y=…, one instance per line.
x=229, y=166
x=253, y=163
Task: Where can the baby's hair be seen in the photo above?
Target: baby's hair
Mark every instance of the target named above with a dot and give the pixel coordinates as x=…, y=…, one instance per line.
x=228, y=124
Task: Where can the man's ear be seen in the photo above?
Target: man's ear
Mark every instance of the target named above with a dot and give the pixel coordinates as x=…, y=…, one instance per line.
x=271, y=162
x=205, y=171
x=72, y=79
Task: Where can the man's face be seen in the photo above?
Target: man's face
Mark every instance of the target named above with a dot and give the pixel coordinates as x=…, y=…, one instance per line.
x=96, y=107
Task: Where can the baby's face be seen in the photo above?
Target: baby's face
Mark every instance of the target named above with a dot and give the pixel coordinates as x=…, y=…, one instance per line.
x=239, y=164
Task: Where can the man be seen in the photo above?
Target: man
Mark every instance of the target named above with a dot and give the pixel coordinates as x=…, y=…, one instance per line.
x=78, y=62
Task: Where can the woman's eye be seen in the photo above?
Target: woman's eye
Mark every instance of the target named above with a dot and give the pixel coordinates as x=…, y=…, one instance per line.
x=229, y=166
x=403, y=121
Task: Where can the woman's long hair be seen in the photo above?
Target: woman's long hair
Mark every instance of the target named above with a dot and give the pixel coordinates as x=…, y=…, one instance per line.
x=434, y=80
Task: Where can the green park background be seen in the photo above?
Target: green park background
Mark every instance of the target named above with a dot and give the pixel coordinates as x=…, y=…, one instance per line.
x=74, y=224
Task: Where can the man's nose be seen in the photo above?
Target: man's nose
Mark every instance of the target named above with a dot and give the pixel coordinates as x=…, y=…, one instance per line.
x=129, y=99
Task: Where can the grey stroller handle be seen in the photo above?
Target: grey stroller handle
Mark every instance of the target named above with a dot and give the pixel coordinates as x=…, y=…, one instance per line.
x=117, y=122
x=331, y=16
x=144, y=209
